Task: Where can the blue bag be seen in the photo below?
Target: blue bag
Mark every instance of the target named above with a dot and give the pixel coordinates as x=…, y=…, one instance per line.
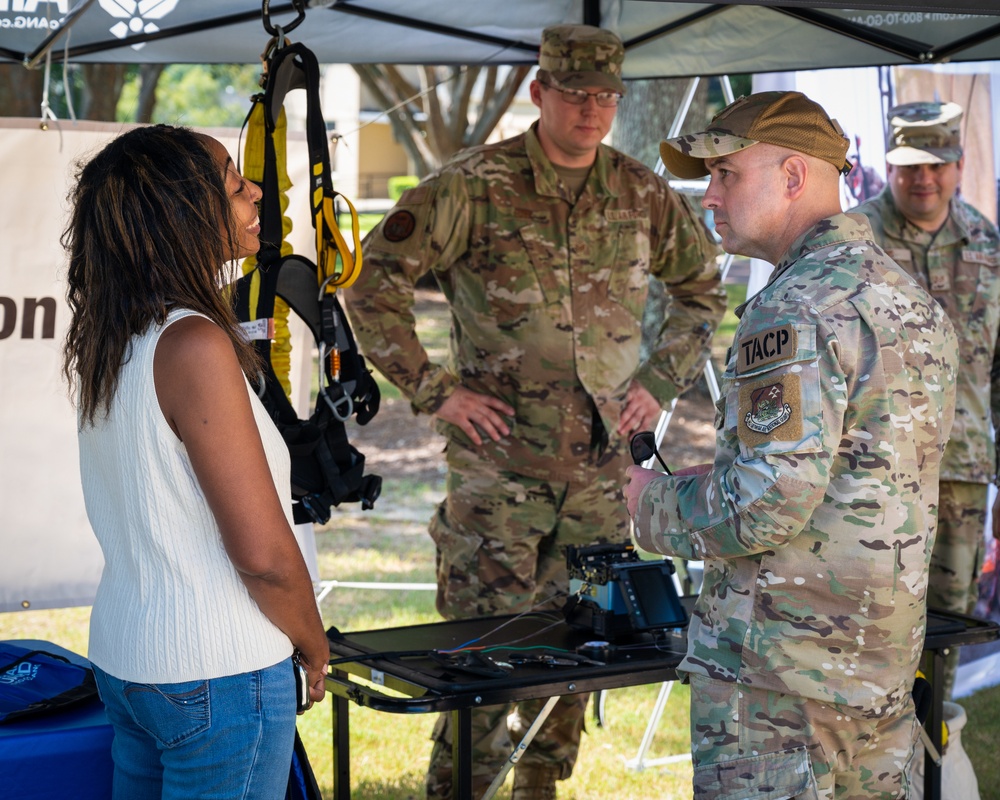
x=302, y=780
x=34, y=682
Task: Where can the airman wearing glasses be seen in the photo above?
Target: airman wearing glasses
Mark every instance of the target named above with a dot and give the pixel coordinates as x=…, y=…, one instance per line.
x=543, y=245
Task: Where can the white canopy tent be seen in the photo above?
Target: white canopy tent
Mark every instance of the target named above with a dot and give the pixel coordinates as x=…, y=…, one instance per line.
x=662, y=37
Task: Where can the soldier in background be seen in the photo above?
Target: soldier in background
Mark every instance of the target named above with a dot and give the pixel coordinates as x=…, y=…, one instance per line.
x=815, y=518
x=543, y=246
x=954, y=252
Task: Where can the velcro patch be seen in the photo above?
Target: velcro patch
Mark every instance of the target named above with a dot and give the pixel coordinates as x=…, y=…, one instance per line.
x=980, y=257
x=899, y=254
x=771, y=410
x=940, y=280
x=766, y=347
x=625, y=214
x=399, y=226
x=413, y=196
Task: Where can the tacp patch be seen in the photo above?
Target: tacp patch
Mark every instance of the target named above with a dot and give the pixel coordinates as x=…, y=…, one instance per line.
x=766, y=347
x=771, y=410
x=399, y=226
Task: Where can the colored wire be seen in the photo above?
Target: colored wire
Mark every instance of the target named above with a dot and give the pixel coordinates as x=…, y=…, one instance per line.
x=534, y=609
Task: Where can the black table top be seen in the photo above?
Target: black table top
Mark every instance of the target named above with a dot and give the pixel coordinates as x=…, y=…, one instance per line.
x=519, y=657
x=510, y=658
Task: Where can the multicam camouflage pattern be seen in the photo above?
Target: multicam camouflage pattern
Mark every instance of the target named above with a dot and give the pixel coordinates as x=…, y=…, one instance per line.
x=749, y=742
x=956, y=560
x=960, y=267
x=546, y=297
x=924, y=133
x=501, y=536
x=579, y=55
x=816, y=532
x=547, y=293
x=501, y=549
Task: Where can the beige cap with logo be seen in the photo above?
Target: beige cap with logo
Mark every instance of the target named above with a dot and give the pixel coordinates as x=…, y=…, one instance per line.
x=924, y=133
x=785, y=119
x=578, y=56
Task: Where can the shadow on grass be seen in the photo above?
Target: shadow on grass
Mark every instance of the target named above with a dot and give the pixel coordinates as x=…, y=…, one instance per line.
x=400, y=787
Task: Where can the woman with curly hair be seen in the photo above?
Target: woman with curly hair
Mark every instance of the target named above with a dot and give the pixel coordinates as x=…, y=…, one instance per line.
x=205, y=595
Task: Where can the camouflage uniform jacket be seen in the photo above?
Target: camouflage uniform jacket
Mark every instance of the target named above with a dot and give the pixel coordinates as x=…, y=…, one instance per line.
x=960, y=266
x=546, y=296
x=816, y=518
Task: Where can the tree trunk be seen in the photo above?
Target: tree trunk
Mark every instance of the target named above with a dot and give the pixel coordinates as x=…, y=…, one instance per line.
x=20, y=91
x=149, y=76
x=102, y=86
x=647, y=112
x=433, y=122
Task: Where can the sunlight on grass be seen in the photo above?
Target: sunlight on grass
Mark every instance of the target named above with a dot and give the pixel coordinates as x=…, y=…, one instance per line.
x=389, y=751
x=390, y=545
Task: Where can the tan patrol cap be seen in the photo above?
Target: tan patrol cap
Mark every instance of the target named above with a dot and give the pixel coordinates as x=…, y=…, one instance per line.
x=785, y=119
x=924, y=133
x=577, y=56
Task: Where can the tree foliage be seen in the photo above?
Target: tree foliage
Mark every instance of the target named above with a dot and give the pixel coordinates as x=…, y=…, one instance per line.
x=208, y=96
x=216, y=95
x=441, y=115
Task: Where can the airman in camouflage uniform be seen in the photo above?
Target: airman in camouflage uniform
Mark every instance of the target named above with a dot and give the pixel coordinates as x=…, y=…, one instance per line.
x=954, y=252
x=815, y=520
x=543, y=246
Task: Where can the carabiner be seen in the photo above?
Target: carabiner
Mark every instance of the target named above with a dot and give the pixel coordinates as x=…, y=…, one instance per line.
x=300, y=10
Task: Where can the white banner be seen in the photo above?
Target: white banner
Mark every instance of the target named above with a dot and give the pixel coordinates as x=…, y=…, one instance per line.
x=49, y=557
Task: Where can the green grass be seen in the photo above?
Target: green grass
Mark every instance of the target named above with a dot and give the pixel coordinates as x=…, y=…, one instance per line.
x=366, y=221
x=389, y=751
x=979, y=739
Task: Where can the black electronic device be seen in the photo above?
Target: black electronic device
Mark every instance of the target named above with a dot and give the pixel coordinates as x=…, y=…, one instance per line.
x=614, y=593
x=302, y=699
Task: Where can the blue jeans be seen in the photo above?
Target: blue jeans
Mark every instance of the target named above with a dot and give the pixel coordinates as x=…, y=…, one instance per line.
x=223, y=739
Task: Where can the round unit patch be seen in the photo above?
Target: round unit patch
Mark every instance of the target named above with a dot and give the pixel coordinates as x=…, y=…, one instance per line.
x=399, y=226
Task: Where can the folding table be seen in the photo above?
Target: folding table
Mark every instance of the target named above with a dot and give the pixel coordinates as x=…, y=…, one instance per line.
x=399, y=659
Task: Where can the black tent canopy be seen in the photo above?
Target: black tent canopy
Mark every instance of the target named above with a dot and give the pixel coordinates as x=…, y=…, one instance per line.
x=663, y=38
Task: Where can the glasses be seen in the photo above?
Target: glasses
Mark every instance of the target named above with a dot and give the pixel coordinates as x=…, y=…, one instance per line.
x=577, y=97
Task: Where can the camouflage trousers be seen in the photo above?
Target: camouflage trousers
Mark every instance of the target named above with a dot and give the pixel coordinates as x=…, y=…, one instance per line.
x=957, y=558
x=501, y=549
x=750, y=743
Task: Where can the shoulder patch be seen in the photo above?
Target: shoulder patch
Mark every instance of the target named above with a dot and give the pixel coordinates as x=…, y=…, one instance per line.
x=766, y=347
x=399, y=226
x=414, y=196
x=771, y=410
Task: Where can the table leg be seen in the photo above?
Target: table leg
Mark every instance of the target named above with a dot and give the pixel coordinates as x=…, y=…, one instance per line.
x=521, y=747
x=932, y=772
x=341, y=748
x=461, y=754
